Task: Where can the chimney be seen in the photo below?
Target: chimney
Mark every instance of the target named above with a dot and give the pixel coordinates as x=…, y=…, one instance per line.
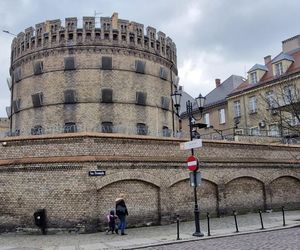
x=267, y=59
x=291, y=44
x=218, y=82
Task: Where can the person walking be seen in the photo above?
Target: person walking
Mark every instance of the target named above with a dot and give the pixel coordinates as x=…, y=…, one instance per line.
x=111, y=219
x=122, y=212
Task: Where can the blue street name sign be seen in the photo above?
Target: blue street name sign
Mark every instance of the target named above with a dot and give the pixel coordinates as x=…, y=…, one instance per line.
x=97, y=173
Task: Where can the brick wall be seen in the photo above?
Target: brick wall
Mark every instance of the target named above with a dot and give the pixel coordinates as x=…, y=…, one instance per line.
x=52, y=173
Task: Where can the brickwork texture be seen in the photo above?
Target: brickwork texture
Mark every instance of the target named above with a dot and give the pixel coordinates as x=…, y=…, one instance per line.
x=52, y=173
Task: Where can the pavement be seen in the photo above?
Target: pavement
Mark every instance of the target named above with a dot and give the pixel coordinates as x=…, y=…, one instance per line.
x=154, y=236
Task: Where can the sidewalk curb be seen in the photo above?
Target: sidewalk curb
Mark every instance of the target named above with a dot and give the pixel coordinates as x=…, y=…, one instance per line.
x=171, y=242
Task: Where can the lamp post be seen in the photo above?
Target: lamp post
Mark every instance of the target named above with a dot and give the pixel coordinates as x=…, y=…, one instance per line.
x=192, y=124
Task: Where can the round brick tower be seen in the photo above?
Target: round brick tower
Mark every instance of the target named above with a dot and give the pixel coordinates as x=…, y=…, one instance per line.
x=112, y=78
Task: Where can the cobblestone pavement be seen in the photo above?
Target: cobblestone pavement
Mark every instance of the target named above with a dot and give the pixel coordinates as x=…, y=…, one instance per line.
x=287, y=239
x=147, y=236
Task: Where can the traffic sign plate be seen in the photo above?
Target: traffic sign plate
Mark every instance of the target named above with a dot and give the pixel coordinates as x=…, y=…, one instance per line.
x=192, y=163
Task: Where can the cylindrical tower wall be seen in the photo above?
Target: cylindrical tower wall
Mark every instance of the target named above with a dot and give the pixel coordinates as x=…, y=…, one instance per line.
x=67, y=79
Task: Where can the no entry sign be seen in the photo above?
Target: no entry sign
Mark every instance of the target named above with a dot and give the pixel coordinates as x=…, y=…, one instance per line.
x=192, y=163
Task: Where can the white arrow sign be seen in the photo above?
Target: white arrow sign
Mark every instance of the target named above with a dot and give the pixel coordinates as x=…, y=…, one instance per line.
x=191, y=144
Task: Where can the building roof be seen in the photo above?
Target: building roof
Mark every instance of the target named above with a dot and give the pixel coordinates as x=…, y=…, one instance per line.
x=283, y=56
x=269, y=76
x=258, y=66
x=220, y=93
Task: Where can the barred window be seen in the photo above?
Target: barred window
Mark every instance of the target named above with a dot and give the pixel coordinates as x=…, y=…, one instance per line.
x=107, y=127
x=142, y=129
x=70, y=127
x=37, y=130
x=166, y=131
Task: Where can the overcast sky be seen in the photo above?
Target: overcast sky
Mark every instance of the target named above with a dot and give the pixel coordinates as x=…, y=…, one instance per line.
x=214, y=38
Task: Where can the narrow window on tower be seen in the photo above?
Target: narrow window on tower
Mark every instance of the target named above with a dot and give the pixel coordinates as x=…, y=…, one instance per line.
x=106, y=63
x=141, y=98
x=140, y=66
x=70, y=96
x=37, y=99
x=38, y=68
x=69, y=63
x=107, y=95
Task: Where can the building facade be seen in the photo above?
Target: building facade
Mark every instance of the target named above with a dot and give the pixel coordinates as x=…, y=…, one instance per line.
x=112, y=78
x=267, y=104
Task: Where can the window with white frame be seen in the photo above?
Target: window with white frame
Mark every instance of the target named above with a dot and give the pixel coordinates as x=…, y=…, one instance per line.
x=222, y=116
x=271, y=103
x=237, y=108
x=252, y=105
x=289, y=94
x=206, y=119
x=273, y=130
x=253, y=77
x=254, y=131
x=278, y=69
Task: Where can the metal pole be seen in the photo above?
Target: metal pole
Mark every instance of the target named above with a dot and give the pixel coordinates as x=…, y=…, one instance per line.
x=235, y=220
x=208, y=224
x=261, y=220
x=189, y=109
x=177, y=220
x=283, y=216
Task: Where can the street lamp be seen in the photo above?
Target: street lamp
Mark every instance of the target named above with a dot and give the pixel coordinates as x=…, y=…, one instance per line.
x=192, y=124
x=7, y=32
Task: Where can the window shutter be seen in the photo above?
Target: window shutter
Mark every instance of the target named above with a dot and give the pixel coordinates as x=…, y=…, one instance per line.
x=141, y=98
x=107, y=95
x=165, y=102
x=69, y=96
x=140, y=67
x=69, y=63
x=106, y=63
x=37, y=99
x=38, y=68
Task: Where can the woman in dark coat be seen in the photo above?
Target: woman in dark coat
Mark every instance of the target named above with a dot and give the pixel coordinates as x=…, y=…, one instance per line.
x=121, y=211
